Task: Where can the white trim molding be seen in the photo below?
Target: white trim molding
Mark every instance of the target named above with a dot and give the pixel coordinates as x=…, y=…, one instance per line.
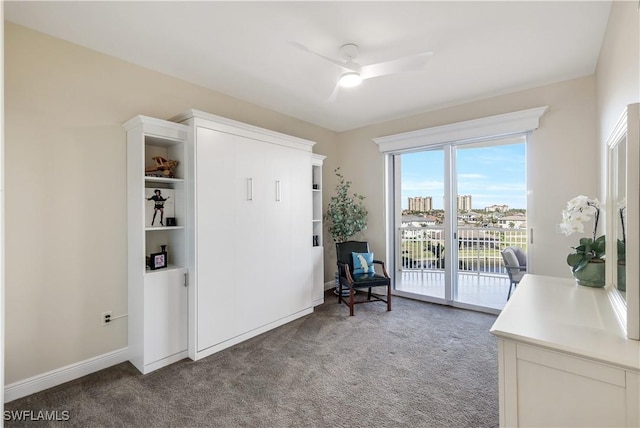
x=59, y=376
x=233, y=126
x=492, y=126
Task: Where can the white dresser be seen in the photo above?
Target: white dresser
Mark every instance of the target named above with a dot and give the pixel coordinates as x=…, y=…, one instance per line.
x=564, y=359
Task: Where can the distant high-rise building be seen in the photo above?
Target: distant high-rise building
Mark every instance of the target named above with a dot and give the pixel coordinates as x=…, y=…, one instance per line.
x=497, y=208
x=420, y=204
x=464, y=202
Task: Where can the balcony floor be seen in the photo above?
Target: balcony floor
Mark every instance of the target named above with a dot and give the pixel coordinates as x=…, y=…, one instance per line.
x=484, y=290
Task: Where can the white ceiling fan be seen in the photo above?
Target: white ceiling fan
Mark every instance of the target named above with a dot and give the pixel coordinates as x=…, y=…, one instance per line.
x=354, y=73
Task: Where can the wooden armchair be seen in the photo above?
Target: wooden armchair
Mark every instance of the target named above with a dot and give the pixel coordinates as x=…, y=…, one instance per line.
x=356, y=271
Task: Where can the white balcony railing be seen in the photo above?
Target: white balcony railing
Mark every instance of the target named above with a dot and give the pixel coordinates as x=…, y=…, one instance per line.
x=422, y=248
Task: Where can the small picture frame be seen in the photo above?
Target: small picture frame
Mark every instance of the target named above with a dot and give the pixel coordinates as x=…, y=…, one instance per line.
x=157, y=261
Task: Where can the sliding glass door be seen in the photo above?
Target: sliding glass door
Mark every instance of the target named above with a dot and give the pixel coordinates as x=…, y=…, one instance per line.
x=491, y=215
x=461, y=204
x=422, y=232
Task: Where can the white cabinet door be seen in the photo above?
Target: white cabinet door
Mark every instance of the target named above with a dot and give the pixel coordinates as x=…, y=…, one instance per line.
x=302, y=232
x=215, y=237
x=249, y=246
x=278, y=232
x=165, y=314
x=288, y=232
x=543, y=388
x=317, y=257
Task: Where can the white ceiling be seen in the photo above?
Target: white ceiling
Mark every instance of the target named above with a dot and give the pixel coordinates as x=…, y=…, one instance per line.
x=245, y=49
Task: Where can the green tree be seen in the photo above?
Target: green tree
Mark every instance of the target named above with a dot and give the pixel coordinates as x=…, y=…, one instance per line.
x=346, y=214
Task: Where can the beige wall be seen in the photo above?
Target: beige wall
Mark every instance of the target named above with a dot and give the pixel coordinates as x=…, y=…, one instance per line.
x=618, y=70
x=66, y=190
x=566, y=138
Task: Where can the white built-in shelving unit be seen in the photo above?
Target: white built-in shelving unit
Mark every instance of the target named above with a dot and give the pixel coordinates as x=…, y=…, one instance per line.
x=317, y=252
x=157, y=297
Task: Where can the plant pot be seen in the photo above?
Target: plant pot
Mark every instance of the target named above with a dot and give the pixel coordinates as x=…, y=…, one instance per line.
x=592, y=275
x=622, y=277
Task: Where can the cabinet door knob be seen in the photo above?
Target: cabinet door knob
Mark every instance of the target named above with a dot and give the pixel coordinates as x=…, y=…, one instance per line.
x=277, y=190
x=250, y=189
x=186, y=279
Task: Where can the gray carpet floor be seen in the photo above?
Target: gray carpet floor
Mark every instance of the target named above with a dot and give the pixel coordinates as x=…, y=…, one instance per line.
x=420, y=365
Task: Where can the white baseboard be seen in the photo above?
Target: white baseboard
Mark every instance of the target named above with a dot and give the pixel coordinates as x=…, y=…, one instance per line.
x=59, y=376
x=163, y=362
x=329, y=285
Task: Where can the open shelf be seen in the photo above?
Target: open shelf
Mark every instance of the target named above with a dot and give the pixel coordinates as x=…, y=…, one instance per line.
x=155, y=229
x=316, y=216
x=168, y=268
x=152, y=179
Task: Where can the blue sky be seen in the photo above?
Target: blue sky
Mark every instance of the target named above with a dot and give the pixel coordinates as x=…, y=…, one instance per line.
x=492, y=175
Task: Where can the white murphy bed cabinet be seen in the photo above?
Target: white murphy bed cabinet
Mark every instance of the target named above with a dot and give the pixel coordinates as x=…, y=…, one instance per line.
x=564, y=358
x=157, y=319
x=250, y=211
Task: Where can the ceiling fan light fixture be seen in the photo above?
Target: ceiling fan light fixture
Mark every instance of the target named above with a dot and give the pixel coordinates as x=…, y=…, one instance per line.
x=350, y=79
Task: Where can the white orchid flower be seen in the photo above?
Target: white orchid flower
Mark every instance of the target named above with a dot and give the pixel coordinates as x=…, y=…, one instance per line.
x=579, y=210
x=577, y=202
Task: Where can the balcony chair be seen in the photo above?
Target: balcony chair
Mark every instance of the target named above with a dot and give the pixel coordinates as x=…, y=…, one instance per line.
x=356, y=272
x=515, y=262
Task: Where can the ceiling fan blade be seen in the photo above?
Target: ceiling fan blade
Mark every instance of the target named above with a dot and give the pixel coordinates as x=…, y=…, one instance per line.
x=334, y=94
x=400, y=65
x=326, y=58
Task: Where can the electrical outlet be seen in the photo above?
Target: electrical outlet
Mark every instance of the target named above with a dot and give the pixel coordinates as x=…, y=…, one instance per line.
x=106, y=318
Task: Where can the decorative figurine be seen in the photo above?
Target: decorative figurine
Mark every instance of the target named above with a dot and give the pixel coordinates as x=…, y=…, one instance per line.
x=163, y=167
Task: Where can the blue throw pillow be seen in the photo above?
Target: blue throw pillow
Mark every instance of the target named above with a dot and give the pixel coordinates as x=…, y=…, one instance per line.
x=362, y=263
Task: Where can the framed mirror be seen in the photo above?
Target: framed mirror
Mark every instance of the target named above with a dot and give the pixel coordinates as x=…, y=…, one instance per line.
x=622, y=224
